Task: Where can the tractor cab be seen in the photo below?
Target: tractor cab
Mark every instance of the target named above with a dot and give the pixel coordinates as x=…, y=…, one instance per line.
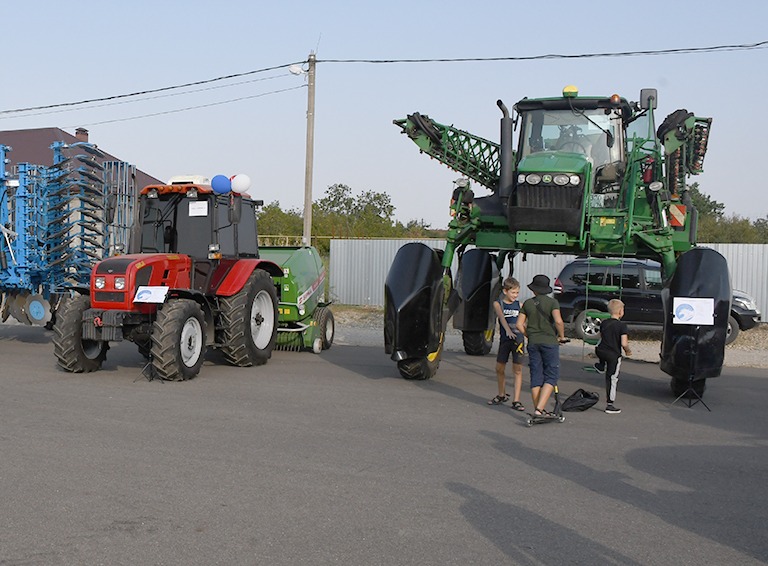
x=571, y=156
x=193, y=220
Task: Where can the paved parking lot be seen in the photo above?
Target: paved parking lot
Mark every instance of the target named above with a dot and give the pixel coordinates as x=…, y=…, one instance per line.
x=334, y=459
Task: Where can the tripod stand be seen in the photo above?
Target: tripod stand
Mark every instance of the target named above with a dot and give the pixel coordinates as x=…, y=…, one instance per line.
x=690, y=395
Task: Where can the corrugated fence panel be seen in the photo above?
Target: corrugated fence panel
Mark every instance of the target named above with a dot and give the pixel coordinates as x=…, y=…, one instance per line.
x=358, y=268
x=748, y=264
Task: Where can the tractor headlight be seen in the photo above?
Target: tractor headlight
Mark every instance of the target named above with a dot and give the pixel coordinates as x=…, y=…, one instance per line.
x=119, y=283
x=521, y=178
x=533, y=179
x=561, y=180
x=574, y=180
x=99, y=282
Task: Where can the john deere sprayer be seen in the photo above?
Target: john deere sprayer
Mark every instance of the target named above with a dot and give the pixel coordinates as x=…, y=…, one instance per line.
x=586, y=175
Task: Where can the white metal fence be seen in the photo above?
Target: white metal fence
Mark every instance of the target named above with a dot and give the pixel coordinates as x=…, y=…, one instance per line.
x=358, y=268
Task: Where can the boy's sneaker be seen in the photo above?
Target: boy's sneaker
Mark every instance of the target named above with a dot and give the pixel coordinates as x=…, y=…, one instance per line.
x=611, y=410
x=599, y=366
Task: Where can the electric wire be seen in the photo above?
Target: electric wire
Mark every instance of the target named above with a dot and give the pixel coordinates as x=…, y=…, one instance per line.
x=189, y=107
x=120, y=102
x=677, y=51
x=150, y=91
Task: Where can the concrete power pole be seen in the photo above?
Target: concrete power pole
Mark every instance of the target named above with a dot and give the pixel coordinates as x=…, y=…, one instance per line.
x=307, y=239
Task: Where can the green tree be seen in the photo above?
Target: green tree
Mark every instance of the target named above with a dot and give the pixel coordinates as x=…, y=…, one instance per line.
x=274, y=221
x=705, y=205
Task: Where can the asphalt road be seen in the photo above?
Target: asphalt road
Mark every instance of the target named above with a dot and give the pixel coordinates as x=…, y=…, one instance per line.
x=334, y=459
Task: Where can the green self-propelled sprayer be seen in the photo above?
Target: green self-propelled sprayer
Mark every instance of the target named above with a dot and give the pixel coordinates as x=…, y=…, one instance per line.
x=589, y=176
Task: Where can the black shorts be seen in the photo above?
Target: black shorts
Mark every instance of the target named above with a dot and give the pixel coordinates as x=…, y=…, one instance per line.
x=507, y=347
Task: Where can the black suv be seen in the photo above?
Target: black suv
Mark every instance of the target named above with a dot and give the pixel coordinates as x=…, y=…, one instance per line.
x=640, y=284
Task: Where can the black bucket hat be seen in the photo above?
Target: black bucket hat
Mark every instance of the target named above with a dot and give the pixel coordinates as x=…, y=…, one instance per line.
x=540, y=285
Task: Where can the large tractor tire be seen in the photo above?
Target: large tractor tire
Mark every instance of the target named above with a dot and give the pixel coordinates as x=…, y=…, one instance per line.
x=326, y=325
x=178, y=340
x=478, y=343
x=421, y=368
x=249, y=322
x=72, y=352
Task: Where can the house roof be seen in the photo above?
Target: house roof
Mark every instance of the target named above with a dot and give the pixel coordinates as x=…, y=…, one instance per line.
x=34, y=146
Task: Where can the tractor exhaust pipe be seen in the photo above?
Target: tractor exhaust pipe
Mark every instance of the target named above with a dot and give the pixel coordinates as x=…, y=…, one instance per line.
x=506, y=156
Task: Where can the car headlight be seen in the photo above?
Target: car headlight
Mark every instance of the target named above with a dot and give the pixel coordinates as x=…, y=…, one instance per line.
x=119, y=283
x=533, y=179
x=561, y=180
x=99, y=282
x=745, y=301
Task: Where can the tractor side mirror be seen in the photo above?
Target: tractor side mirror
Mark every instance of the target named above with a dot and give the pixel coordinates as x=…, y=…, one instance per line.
x=648, y=98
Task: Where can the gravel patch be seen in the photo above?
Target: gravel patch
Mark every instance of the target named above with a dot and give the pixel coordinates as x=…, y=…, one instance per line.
x=363, y=326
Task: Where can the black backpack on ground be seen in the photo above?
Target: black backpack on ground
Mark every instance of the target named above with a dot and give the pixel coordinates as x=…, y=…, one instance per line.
x=580, y=400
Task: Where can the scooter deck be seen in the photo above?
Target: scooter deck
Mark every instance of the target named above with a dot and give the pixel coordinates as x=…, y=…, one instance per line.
x=538, y=419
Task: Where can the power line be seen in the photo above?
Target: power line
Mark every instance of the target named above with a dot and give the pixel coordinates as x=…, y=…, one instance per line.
x=680, y=51
x=188, y=108
x=150, y=91
x=120, y=102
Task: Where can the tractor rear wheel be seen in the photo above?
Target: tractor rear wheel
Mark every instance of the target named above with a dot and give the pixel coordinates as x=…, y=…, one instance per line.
x=478, y=343
x=178, y=340
x=72, y=352
x=249, y=322
x=326, y=325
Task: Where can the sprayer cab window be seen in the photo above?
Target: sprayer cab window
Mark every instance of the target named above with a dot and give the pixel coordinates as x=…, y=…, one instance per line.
x=585, y=132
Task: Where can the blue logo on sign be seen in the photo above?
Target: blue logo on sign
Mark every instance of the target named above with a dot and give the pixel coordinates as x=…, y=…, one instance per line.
x=143, y=294
x=684, y=312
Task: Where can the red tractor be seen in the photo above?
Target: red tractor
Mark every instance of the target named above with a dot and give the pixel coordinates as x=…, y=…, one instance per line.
x=195, y=281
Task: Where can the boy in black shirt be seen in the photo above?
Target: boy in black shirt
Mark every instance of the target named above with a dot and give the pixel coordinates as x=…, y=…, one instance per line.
x=613, y=338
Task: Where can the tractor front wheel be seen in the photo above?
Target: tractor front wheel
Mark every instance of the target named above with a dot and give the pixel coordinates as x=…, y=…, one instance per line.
x=178, y=340
x=249, y=322
x=72, y=352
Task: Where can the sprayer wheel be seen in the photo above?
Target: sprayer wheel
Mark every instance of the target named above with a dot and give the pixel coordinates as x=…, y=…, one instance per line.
x=478, y=343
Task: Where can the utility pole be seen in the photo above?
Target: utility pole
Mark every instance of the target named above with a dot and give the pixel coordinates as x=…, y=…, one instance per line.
x=307, y=239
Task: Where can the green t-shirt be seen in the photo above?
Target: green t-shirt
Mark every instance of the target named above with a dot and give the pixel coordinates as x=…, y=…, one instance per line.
x=539, y=328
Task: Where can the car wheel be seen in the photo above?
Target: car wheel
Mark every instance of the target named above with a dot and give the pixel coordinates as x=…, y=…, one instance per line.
x=733, y=330
x=587, y=327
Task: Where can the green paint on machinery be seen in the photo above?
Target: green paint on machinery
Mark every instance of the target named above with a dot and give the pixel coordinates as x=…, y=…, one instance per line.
x=588, y=176
x=305, y=320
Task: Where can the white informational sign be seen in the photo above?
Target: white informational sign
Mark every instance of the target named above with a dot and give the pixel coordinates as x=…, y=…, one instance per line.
x=686, y=310
x=198, y=208
x=150, y=294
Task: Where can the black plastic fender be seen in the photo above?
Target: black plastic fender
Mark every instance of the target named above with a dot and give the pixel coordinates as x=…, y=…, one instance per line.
x=696, y=349
x=413, y=303
x=478, y=285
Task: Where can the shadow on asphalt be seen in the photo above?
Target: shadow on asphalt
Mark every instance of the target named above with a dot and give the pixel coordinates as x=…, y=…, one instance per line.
x=534, y=539
x=732, y=516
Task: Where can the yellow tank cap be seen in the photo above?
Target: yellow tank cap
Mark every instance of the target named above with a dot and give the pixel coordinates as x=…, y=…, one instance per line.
x=570, y=91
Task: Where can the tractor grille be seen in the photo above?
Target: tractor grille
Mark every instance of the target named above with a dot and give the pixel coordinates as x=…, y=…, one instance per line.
x=110, y=296
x=549, y=196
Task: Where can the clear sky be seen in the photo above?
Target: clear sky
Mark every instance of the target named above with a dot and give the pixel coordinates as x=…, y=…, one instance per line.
x=56, y=52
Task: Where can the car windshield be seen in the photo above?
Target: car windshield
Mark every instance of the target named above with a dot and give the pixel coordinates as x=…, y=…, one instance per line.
x=572, y=131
